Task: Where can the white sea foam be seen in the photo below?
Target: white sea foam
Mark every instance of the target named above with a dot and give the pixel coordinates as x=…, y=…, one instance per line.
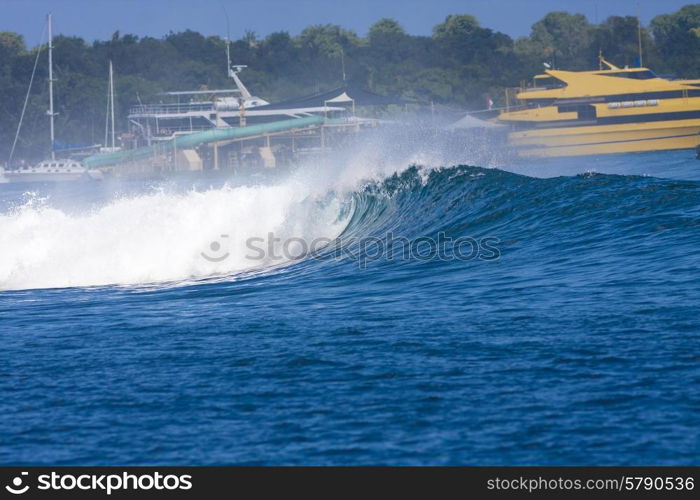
x=155, y=237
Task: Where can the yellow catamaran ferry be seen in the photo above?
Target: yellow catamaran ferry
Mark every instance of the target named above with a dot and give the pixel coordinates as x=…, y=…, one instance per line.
x=612, y=110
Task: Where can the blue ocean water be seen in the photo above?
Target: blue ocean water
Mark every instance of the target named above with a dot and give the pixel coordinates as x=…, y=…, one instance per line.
x=579, y=344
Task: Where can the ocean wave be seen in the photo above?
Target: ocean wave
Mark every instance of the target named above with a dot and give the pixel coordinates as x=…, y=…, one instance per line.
x=164, y=236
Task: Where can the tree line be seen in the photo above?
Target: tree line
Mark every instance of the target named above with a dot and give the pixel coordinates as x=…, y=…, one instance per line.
x=461, y=64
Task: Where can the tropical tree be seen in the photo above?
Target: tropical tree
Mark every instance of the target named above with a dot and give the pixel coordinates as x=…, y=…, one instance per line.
x=677, y=38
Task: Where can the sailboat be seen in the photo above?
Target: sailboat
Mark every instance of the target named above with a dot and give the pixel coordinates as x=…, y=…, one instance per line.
x=110, y=117
x=51, y=169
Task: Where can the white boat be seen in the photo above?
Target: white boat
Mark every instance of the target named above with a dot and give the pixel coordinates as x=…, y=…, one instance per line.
x=53, y=169
x=191, y=111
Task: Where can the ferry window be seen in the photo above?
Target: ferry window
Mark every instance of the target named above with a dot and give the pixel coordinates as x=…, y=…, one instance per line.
x=634, y=75
x=547, y=82
x=586, y=112
x=567, y=109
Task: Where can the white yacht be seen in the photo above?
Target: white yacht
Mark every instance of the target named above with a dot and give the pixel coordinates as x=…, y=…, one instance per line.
x=50, y=171
x=191, y=111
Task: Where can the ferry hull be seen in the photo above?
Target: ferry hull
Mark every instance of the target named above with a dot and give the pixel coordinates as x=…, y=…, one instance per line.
x=607, y=139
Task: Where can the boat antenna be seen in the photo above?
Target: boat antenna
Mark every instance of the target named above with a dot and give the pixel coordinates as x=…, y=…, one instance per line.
x=111, y=100
x=228, y=57
x=639, y=35
x=232, y=71
x=51, y=113
x=228, y=24
x=26, y=98
x=228, y=41
x=109, y=93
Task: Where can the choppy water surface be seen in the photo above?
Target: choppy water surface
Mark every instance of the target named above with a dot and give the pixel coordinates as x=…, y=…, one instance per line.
x=123, y=344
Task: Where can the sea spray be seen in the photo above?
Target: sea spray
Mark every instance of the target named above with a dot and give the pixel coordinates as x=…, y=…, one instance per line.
x=153, y=237
x=165, y=234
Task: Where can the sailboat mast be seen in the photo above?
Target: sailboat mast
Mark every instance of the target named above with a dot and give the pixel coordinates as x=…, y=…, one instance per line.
x=51, y=113
x=111, y=98
x=228, y=57
x=639, y=35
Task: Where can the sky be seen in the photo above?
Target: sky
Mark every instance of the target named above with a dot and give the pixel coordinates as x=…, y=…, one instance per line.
x=99, y=19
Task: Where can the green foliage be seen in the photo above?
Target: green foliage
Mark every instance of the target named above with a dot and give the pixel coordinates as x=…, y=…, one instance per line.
x=563, y=38
x=385, y=27
x=11, y=44
x=678, y=39
x=460, y=64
